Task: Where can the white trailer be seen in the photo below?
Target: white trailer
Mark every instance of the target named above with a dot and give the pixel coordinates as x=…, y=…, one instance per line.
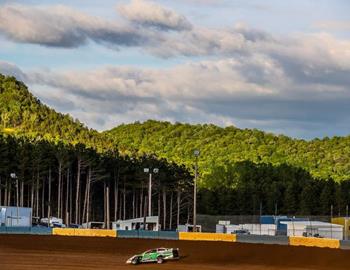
x=314, y=229
x=152, y=224
x=15, y=216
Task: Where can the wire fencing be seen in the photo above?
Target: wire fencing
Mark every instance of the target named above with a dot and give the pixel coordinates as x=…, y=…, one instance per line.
x=304, y=226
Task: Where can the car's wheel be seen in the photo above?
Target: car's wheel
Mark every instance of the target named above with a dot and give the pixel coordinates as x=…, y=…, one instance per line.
x=135, y=261
x=160, y=259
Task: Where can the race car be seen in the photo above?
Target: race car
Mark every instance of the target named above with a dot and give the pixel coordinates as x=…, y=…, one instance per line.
x=158, y=255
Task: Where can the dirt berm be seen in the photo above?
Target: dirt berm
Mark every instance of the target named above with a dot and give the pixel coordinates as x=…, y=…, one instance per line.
x=56, y=252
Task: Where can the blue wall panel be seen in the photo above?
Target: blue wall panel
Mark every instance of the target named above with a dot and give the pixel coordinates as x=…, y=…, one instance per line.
x=172, y=235
x=41, y=230
x=148, y=234
x=128, y=234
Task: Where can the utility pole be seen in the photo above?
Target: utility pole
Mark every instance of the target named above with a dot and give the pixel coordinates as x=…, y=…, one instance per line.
x=150, y=195
x=346, y=222
x=331, y=220
x=260, y=213
x=148, y=170
x=196, y=154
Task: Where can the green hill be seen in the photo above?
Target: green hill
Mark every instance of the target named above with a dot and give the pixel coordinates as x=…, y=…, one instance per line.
x=23, y=114
x=222, y=147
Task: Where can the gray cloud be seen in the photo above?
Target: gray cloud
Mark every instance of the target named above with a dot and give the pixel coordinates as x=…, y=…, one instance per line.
x=150, y=14
x=298, y=84
x=60, y=26
x=255, y=90
x=10, y=69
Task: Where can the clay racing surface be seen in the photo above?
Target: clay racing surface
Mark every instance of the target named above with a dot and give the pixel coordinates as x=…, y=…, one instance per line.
x=56, y=252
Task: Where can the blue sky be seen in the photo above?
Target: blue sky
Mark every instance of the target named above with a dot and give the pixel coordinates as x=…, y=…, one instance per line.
x=279, y=66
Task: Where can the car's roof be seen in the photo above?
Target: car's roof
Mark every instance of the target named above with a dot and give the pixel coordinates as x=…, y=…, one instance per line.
x=156, y=249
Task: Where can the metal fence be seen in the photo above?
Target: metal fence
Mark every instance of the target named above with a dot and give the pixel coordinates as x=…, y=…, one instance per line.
x=307, y=226
x=209, y=222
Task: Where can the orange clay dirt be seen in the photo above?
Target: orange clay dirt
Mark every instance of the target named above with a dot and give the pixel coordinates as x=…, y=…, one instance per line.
x=57, y=252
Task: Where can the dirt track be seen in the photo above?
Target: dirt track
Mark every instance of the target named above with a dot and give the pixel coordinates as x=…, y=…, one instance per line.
x=53, y=252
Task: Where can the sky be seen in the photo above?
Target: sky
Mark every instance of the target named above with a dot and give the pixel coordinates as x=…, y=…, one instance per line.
x=279, y=66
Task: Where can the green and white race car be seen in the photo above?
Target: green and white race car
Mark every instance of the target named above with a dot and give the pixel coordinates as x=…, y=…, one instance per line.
x=158, y=255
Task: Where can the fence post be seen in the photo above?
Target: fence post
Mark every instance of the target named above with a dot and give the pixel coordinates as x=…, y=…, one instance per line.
x=331, y=220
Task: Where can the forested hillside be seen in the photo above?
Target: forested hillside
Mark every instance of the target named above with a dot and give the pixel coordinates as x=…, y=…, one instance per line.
x=65, y=169
x=222, y=147
x=23, y=114
x=241, y=170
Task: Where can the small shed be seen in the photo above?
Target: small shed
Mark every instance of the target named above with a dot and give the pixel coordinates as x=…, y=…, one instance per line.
x=314, y=229
x=15, y=216
x=152, y=224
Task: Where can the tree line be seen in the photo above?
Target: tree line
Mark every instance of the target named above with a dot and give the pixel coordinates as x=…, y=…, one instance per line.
x=79, y=185
x=248, y=188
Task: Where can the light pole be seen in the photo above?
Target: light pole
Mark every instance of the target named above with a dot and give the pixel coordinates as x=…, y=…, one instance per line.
x=148, y=170
x=196, y=154
x=14, y=176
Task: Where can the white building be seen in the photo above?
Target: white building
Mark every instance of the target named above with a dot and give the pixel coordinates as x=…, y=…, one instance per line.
x=15, y=216
x=314, y=228
x=152, y=224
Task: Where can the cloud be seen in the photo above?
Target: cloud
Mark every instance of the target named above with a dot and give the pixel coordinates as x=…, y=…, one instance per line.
x=299, y=84
x=252, y=90
x=333, y=25
x=150, y=14
x=11, y=69
x=60, y=26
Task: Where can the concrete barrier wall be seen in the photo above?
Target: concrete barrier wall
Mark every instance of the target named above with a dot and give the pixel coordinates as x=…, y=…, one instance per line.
x=26, y=230
x=128, y=234
x=168, y=235
x=41, y=230
x=263, y=239
x=314, y=242
x=15, y=230
x=96, y=233
x=345, y=244
x=171, y=235
x=148, y=234
x=63, y=232
x=207, y=236
x=84, y=232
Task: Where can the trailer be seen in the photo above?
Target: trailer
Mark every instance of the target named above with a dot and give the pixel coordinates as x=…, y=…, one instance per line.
x=12, y=216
